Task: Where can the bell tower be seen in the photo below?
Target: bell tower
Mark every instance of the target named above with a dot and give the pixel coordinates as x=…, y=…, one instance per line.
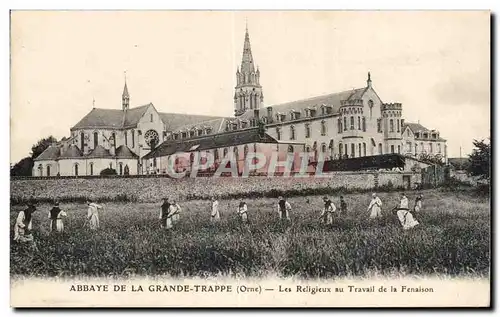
x=125, y=97
x=248, y=91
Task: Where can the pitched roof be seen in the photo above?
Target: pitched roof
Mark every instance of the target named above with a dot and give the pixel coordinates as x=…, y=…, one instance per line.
x=124, y=152
x=299, y=105
x=133, y=115
x=216, y=125
x=174, y=121
x=207, y=142
x=417, y=127
x=51, y=153
x=101, y=118
x=72, y=152
x=99, y=152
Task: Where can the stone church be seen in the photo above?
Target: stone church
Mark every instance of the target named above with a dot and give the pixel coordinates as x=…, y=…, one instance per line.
x=347, y=124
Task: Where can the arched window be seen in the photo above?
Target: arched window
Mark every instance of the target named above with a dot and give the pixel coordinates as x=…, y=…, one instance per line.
x=353, y=149
x=225, y=151
x=132, y=133
x=339, y=123
x=439, y=148
x=352, y=123
x=430, y=147
x=120, y=168
x=40, y=170
x=96, y=140
x=91, y=165
x=48, y=170
x=113, y=135
x=308, y=149
x=290, y=148
x=236, y=153
x=399, y=149
x=292, y=132
x=416, y=148
x=126, y=138
x=380, y=149
x=391, y=125
x=315, y=149
x=370, y=105
x=345, y=151
x=151, y=117
x=245, y=151
x=126, y=170
x=340, y=150
x=359, y=123
x=397, y=121
x=278, y=133
x=82, y=141
x=323, y=127
x=364, y=124
x=308, y=130
x=323, y=148
x=345, y=123
x=359, y=149
x=76, y=169
x=379, y=125
x=364, y=149
x=392, y=149
x=216, y=155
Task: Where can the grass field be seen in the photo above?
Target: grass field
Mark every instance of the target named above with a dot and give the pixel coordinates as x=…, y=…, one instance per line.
x=453, y=239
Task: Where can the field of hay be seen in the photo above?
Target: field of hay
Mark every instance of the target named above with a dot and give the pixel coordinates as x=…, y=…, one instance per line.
x=453, y=239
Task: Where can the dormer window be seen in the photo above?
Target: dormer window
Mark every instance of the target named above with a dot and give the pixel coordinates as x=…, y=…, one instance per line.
x=184, y=135
x=235, y=126
x=244, y=124
x=191, y=133
x=175, y=136
x=200, y=132
x=329, y=110
x=208, y=130
x=312, y=112
x=417, y=134
x=426, y=135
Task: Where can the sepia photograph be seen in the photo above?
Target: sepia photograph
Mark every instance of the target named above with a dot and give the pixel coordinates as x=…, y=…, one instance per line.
x=250, y=158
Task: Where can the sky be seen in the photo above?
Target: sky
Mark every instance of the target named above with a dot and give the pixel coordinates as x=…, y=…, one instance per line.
x=436, y=63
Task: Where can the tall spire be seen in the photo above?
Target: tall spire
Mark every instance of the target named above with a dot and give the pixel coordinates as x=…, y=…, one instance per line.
x=369, y=81
x=247, y=65
x=248, y=91
x=125, y=95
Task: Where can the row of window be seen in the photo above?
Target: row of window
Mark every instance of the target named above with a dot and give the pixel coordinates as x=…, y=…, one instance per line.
x=191, y=134
x=422, y=149
x=112, y=138
x=121, y=169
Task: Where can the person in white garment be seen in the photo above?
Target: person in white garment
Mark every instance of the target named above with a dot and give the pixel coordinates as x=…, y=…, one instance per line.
x=404, y=214
x=418, y=203
x=214, y=215
x=174, y=214
x=56, y=215
x=284, y=208
x=375, y=207
x=24, y=225
x=328, y=210
x=93, y=215
x=242, y=211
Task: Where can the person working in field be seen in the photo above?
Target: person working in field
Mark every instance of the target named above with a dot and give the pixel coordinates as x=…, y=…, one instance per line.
x=404, y=214
x=418, y=203
x=328, y=210
x=284, y=208
x=214, y=215
x=174, y=212
x=375, y=207
x=343, y=206
x=24, y=224
x=164, y=210
x=55, y=216
x=93, y=215
x=242, y=212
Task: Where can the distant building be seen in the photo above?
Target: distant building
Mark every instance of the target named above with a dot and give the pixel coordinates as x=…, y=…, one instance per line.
x=347, y=124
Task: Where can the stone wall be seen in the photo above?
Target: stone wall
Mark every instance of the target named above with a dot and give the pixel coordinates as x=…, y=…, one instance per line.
x=154, y=188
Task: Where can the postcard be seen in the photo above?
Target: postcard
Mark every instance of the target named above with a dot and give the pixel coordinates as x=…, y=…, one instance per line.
x=250, y=159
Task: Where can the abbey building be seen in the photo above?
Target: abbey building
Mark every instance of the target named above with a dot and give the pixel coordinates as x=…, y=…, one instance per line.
x=139, y=140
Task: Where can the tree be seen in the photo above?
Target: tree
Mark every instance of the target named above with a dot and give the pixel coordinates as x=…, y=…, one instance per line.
x=41, y=146
x=480, y=159
x=22, y=168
